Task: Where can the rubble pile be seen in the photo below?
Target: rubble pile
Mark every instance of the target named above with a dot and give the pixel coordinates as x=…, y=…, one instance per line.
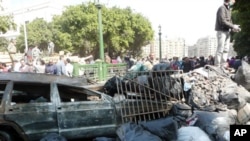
x=213, y=102
x=211, y=91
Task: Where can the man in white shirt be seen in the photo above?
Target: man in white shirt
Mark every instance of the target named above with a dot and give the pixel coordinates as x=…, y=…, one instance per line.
x=36, y=52
x=68, y=68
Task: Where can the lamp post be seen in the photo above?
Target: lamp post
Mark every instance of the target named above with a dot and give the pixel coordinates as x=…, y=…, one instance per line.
x=99, y=7
x=25, y=37
x=160, y=43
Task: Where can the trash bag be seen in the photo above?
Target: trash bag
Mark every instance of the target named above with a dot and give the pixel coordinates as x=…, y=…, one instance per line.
x=167, y=86
x=242, y=76
x=165, y=128
x=191, y=133
x=230, y=95
x=215, y=124
x=53, y=137
x=231, y=100
x=181, y=112
x=243, y=93
x=133, y=132
x=134, y=71
x=161, y=66
x=243, y=115
x=110, y=86
x=104, y=139
x=181, y=109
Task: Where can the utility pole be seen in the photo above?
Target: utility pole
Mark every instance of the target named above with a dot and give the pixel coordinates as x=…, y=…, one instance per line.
x=99, y=7
x=25, y=37
x=160, y=43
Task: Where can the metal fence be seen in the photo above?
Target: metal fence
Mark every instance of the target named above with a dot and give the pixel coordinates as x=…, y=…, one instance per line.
x=148, y=95
x=99, y=71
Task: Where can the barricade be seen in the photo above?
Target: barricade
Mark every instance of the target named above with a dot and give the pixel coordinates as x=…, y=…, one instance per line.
x=148, y=95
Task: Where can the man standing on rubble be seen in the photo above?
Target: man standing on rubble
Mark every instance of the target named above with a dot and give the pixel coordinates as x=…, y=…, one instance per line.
x=224, y=26
x=12, y=49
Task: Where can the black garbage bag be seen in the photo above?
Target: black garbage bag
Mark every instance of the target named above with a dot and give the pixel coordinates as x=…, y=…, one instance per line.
x=104, y=139
x=215, y=124
x=53, y=137
x=133, y=132
x=110, y=87
x=232, y=97
x=165, y=128
x=166, y=86
x=181, y=109
x=161, y=66
x=231, y=100
x=139, y=84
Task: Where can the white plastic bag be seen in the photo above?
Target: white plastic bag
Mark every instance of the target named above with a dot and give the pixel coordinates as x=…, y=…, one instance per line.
x=192, y=133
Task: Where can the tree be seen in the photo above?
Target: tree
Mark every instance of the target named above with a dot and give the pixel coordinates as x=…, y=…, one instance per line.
x=38, y=32
x=77, y=30
x=241, y=16
x=6, y=23
x=125, y=30
x=3, y=44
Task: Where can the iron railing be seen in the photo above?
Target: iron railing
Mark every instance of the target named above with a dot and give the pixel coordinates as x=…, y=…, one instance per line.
x=146, y=96
x=99, y=71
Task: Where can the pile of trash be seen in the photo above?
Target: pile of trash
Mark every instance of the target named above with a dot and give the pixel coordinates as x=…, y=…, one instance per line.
x=213, y=102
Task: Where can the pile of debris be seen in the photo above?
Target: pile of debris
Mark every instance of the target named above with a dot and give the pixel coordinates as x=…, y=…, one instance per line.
x=213, y=102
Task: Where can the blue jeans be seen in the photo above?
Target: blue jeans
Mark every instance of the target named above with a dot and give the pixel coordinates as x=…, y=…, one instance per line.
x=223, y=44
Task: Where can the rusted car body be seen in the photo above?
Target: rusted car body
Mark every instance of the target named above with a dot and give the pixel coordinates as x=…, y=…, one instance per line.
x=33, y=105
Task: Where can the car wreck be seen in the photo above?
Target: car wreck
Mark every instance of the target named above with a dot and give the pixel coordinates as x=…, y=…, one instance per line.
x=34, y=105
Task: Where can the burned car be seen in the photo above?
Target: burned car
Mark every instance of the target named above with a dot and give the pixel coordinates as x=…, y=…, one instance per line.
x=34, y=105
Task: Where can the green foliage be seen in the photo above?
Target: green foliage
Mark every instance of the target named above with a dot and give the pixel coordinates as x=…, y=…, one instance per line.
x=75, y=27
x=77, y=30
x=125, y=30
x=241, y=16
x=3, y=44
x=38, y=32
x=6, y=23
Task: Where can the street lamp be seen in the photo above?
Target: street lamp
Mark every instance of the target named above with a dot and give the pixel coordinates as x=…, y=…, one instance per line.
x=160, y=43
x=25, y=37
x=99, y=7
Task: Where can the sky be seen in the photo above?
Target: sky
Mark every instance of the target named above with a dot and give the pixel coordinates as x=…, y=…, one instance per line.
x=188, y=19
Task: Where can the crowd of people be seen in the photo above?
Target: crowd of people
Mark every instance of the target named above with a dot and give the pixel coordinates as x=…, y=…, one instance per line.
x=33, y=62
x=59, y=66
x=186, y=63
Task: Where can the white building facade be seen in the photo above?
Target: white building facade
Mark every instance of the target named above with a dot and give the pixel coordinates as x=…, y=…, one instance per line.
x=207, y=46
x=170, y=48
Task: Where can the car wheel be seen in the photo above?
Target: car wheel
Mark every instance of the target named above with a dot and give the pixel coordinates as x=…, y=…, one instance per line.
x=4, y=136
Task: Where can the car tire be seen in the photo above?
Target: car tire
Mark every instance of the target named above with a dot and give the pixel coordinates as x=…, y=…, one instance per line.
x=4, y=136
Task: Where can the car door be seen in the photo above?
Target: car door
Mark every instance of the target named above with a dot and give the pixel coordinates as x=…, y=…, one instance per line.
x=32, y=108
x=3, y=85
x=83, y=114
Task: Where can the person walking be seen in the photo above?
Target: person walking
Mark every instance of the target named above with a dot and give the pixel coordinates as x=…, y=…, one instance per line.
x=224, y=26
